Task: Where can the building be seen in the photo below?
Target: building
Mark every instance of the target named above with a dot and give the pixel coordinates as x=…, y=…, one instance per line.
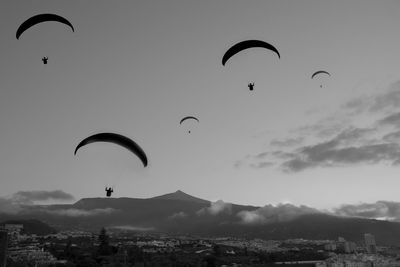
x=3, y=247
x=330, y=247
x=14, y=232
x=370, y=244
x=349, y=247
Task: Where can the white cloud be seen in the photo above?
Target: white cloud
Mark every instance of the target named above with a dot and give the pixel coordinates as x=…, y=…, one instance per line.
x=216, y=208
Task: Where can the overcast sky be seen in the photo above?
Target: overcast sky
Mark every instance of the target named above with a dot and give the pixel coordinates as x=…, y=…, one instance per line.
x=138, y=67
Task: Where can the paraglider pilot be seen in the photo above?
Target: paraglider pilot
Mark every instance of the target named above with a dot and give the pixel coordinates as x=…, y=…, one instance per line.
x=44, y=59
x=109, y=191
x=251, y=86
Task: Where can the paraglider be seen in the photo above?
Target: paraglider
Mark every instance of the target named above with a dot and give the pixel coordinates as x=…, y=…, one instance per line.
x=245, y=45
x=32, y=21
x=109, y=191
x=319, y=72
x=251, y=86
x=188, y=118
x=116, y=139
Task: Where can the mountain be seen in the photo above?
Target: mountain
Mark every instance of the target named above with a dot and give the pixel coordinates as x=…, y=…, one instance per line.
x=179, y=195
x=180, y=213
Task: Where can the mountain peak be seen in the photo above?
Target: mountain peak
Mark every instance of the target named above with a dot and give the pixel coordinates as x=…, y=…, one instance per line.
x=180, y=195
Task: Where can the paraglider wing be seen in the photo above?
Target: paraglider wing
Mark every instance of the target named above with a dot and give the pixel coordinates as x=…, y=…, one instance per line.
x=187, y=118
x=116, y=139
x=39, y=19
x=319, y=72
x=245, y=45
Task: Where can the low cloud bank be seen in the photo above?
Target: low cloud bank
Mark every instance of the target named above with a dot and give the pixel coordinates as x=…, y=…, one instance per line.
x=177, y=215
x=271, y=214
x=16, y=203
x=216, y=208
x=380, y=210
x=133, y=228
x=29, y=197
x=80, y=212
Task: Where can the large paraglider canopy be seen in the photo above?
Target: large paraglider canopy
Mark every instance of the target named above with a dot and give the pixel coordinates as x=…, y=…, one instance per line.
x=116, y=139
x=39, y=19
x=319, y=72
x=245, y=45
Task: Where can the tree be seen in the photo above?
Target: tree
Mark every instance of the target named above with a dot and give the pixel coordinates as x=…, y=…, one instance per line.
x=217, y=250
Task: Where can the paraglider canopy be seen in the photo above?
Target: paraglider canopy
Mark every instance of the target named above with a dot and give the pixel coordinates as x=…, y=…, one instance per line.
x=187, y=118
x=319, y=72
x=116, y=139
x=39, y=19
x=245, y=45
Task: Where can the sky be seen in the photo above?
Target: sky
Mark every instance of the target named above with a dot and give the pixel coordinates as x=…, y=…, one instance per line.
x=138, y=67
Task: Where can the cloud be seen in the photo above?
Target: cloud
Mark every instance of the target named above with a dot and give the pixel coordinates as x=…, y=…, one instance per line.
x=287, y=142
x=177, y=215
x=272, y=214
x=80, y=212
x=238, y=164
x=29, y=197
x=382, y=101
x=357, y=105
x=133, y=228
x=379, y=210
x=216, y=208
x=324, y=128
x=351, y=135
x=392, y=120
x=264, y=164
x=388, y=100
x=17, y=202
x=261, y=160
x=261, y=155
x=393, y=137
x=351, y=146
x=9, y=206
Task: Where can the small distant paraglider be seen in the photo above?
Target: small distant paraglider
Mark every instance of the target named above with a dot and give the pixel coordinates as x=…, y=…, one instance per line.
x=32, y=21
x=189, y=118
x=318, y=73
x=251, y=86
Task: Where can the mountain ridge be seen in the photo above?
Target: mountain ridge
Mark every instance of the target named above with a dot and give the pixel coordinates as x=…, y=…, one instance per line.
x=180, y=213
x=180, y=195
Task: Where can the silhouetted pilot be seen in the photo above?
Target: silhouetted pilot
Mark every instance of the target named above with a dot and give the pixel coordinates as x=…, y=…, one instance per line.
x=109, y=191
x=44, y=59
x=251, y=86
